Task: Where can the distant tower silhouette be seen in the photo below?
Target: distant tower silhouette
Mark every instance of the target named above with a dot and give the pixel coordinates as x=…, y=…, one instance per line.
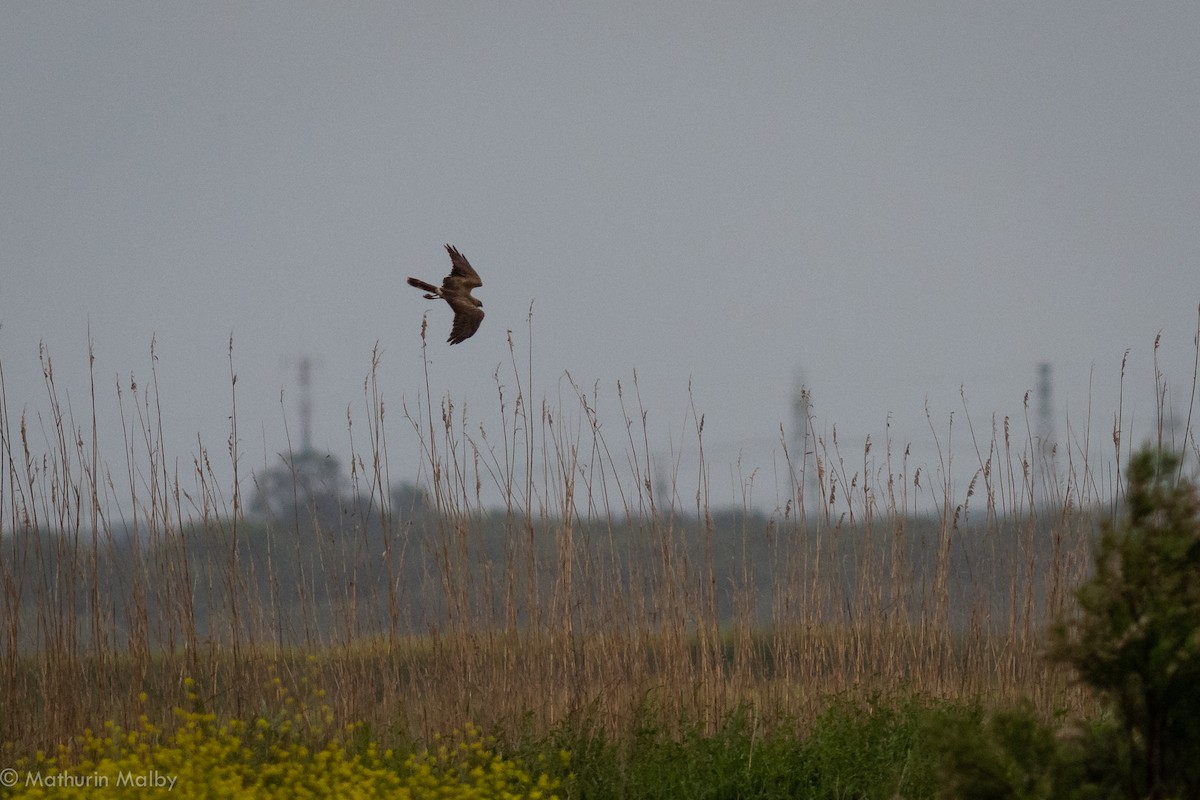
x=1045, y=409
x=307, y=484
x=802, y=445
x=305, y=404
x=1045, y=442
x=663, y=501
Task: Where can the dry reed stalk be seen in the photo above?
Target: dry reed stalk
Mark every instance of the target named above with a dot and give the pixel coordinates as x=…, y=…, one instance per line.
x=589, y=597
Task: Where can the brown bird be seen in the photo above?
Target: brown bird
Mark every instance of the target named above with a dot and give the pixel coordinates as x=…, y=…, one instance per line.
x=456, y=290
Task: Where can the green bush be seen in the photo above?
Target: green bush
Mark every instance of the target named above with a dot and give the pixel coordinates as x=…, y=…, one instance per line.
x=1011, y=754
x=1135, y=639
x=1136, y=636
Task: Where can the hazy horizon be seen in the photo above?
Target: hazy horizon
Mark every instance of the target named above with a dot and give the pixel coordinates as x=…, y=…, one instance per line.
x=898, y=205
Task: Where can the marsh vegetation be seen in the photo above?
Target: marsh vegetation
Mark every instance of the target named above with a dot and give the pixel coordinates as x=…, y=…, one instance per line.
x=594, y=609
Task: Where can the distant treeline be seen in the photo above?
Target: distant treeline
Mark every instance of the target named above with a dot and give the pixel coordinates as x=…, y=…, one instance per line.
x=348, y=570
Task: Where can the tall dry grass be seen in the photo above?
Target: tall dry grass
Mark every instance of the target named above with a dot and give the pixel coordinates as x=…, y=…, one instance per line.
x=591, y=595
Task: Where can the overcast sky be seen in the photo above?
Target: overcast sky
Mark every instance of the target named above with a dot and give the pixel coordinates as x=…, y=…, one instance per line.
x=893, y=202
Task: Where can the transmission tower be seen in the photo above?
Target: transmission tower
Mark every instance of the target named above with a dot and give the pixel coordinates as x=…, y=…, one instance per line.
x=802, y=443
x=1045, y=410
x=305, y=404
x=1045, y=444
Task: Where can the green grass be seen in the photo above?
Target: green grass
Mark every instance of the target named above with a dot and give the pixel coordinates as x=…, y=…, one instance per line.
x=850, y=750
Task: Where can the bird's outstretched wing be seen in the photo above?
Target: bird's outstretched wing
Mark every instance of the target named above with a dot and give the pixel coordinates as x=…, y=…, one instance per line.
x=467, y=319
x=462, y=274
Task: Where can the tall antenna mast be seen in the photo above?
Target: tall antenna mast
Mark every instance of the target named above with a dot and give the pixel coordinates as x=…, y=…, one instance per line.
x=1045, y=429
x=1045, y=410
x=801, y=441
x=305, y=404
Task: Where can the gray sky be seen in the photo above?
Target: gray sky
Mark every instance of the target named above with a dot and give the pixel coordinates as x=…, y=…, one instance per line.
x=894, y=200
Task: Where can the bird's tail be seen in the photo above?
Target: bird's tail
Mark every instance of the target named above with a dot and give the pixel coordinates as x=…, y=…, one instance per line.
x=420, y=284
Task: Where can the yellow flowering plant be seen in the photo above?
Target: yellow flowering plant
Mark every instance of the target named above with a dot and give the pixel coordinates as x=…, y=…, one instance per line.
x=268, y=758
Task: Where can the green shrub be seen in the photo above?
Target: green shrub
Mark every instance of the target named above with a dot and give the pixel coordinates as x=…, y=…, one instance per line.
x=1136, y=636
x=1004, y=755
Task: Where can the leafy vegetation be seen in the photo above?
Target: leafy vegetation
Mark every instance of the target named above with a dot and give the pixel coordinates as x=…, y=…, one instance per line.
x=286, y=756
x=594, y=636
x=1136, y=636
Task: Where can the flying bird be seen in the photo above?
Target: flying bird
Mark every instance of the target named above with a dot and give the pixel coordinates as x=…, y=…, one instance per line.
x=456, y=290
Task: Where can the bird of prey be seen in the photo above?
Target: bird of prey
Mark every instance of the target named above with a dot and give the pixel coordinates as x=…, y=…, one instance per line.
x=456, y=290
